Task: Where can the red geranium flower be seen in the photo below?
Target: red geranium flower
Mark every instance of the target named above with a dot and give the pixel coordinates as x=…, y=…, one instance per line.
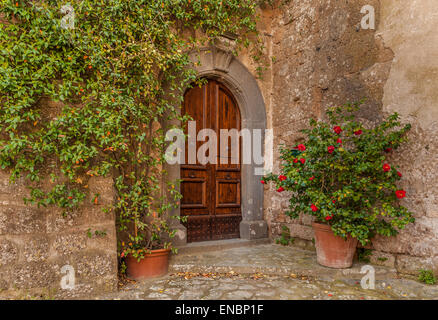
x=330, y=149
x=303, y=161
x=358, y=132
x=263, y=182
x=295, y=160
x=282, y=178
x=314, y=208
x=337, y=129
x=339, y=141
x=281, y=189
x=386, y=167
x=301, y=147
x=334, y=201
x=388, y=150
x=400, y=194
x=328, y=218
x=311, y=179
x=399, y=174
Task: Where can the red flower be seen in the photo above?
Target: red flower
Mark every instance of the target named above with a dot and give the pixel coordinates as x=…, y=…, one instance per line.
x=295, y=160
x=301, y=147
x=311, y=179
x=337, y=129
x=334, y=201
x=339, y=141
x=400, y=194
x=282, y=178
x=386, y=167
x=328, y=218
x=388, y=150
x=314, y=208
x=303, y=161
x=122, y=254
x=281, y=189
x=358, y=132
x=263, y=182
x=399, y=174
x=330, y=149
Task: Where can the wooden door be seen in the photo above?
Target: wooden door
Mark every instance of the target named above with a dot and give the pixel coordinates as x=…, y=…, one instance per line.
x=212, y=192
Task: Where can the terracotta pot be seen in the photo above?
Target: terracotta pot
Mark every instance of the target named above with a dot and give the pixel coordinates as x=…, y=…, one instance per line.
x=333, y=251
x=155, y=264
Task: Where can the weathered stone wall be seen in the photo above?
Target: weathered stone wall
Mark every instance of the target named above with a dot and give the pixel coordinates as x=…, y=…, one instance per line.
x=35, y=243
x=318, y=57
x=322, y=57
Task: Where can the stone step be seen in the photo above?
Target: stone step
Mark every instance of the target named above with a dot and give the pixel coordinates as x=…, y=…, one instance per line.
x=267, y=259
x=208, y=246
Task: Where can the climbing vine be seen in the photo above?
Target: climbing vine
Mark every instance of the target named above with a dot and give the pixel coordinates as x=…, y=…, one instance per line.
x=90, y=99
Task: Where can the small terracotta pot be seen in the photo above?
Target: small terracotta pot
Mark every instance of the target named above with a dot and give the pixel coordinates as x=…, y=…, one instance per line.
x=155, y=264
x=333, y=251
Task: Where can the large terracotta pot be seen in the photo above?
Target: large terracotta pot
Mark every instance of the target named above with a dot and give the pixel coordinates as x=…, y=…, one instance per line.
x=333, y=251
x=155, y=264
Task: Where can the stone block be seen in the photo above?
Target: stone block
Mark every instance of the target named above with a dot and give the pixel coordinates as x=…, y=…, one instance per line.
x=95, y=215
x=95, y=264
x=382, y=259
x=30, y=275
x=104, y=242
x=36, y=249
x=103, y=186
x=417, y=239
x=307, y=219
x=21, y=220
x=11, y=188
x=56, y=222
x=9, y=252
x=94, y=272
x=250, y=230
x=66, y=244
x=301, y=231
x=412, y=265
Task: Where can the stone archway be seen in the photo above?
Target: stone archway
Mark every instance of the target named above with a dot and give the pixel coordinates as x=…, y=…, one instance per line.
x=217, y=62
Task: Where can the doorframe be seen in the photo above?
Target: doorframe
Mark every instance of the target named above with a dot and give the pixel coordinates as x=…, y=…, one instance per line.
x=219, y=63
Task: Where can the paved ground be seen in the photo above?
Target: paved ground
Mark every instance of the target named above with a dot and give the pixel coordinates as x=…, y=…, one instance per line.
x=268, y=272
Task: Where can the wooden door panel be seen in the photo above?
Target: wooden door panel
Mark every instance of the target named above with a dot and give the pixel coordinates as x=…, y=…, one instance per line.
x=226, y=227
x=194, y=187
x=194, y=191
x=198, y=228
x=212, y=193
x=227, y=194
x=195, y=106
x=227, y=191
x=228, y=118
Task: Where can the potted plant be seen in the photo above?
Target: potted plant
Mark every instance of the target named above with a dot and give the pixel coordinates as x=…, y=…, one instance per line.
x=148, y=235
x=341, y=175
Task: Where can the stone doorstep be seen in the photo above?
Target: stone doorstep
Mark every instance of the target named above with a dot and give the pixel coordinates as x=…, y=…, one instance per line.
x=315, y=270
x=325, y=274
x=208, y=246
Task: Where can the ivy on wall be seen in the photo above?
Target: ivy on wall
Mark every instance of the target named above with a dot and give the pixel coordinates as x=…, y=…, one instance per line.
x=103, y=78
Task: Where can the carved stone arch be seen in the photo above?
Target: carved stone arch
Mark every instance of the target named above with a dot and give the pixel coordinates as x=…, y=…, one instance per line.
x=219, y=63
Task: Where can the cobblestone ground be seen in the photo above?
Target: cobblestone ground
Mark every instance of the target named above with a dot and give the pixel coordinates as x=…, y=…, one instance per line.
x=268, y=272
x=255, y=287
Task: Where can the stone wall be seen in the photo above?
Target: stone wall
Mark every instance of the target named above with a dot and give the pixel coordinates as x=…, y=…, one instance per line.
x=318, y=57
x=35, y=243
x=322, y=57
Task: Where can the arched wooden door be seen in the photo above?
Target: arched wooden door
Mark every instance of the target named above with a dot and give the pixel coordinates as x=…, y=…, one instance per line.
x=212, y=192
